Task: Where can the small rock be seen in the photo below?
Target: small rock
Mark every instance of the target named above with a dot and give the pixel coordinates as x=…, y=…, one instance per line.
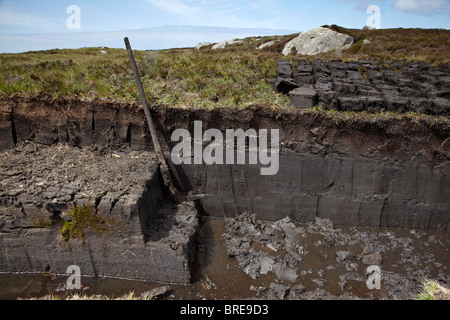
x=303, y=78
x=367, y=27
x=266, y=264
x=345, y=257
x=301, y=231
x=303, y=97
x=284, y=273
x=283, y=85
x=258, y=290
x=297, y=290
x=252, y=269
x=287, y=226
x=287, y=274
x=278, y=290
x=372, y=259
x=324, y=86
x=266, y=45
x=284, y=69
x=273, y=247
x=305, y=68
x=156, y=293
x=323, y=223
x=330, y=240
x=319, y=282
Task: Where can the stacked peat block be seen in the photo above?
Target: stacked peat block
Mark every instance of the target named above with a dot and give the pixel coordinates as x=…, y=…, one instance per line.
x=397, y=86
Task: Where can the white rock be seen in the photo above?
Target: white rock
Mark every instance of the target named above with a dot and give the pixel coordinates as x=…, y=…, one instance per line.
x=265, y=45
x=272, y=247
x=366, y=27
x=223, y=45
x=202, y=44
x=318, y=40
x=266, y=264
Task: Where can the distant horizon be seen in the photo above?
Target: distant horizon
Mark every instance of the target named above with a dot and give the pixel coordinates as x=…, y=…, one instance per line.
x=152, y=38
x=212, y=27
x=139, y=38
x=40, y=25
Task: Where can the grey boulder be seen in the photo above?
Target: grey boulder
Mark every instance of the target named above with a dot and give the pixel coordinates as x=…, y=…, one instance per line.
x=318, y=40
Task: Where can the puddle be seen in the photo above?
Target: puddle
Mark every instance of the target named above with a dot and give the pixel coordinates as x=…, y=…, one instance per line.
x=407, y=257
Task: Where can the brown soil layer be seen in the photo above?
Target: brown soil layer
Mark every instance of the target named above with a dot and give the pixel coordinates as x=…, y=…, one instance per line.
x=356, y=169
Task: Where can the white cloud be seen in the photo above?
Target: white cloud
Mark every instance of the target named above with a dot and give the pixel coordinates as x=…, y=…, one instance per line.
x=362, y=4
x=422, y=6
x=14, y=19
x=178, y=7
x=18, y=19
x=226, y=13
x=410, y=6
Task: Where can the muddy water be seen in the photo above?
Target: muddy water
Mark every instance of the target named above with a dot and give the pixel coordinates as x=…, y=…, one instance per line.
x=408, y=257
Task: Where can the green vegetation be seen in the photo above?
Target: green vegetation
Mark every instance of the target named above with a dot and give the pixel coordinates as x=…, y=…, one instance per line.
x=211, y=78
x=427, y=45
x=177, y=77
x=41, y=222
x=77, y=296
x=433, y=291
x=82, y=72
x=238, y=76
x=83, y=218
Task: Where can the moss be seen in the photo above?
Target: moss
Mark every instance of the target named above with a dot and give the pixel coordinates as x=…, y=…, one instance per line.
x=355, y=48
x=82, y=219
x=363, y=72
x=432, y=291
x=41, y=222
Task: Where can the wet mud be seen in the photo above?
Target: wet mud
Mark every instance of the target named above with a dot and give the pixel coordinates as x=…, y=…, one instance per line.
x=329, y=263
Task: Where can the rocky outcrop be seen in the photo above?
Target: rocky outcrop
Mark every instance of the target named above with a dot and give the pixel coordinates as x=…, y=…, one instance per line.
x=224, y=44
x=366, y=86
x=266, y=45
x=318, y=40
x=202, y=45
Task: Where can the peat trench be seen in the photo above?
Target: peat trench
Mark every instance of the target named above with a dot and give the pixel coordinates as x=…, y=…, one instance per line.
x=349, y=193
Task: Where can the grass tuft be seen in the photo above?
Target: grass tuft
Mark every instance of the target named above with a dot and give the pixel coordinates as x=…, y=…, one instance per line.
x=82, y=219
x=432, y=290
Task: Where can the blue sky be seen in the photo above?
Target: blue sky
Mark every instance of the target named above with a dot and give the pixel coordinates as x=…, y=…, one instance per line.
x=50, y=16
